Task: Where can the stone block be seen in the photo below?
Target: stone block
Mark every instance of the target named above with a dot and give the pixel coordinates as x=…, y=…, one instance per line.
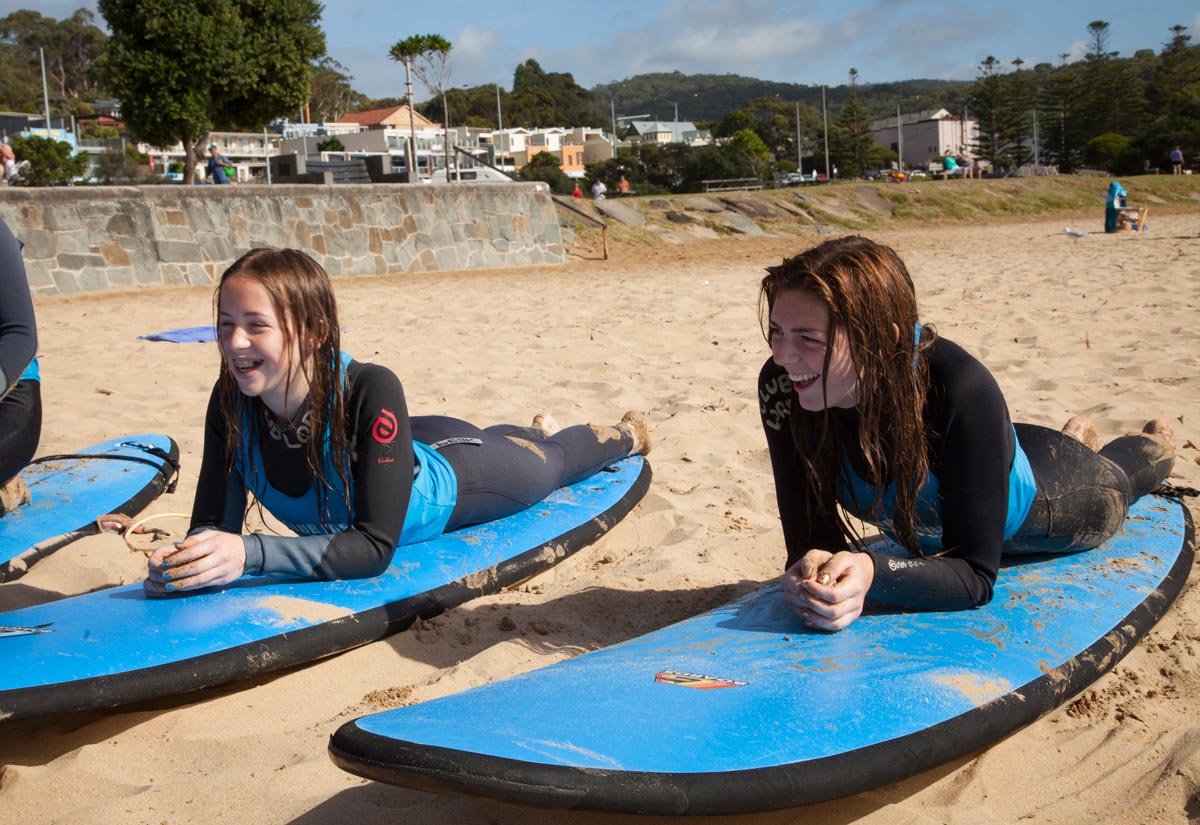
x=179, y=252
x=114, y=254
x=67, y=282
x=78, y=262
x=39, y=243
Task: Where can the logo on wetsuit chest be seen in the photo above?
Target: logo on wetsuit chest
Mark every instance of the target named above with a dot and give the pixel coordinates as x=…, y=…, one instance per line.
x=385, y=427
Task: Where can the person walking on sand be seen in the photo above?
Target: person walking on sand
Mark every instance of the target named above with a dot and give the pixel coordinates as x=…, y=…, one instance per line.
x=326, y=445
x=1176, y=161
x=870, y=414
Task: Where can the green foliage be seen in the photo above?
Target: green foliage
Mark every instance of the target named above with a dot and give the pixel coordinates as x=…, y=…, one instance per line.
x=851, y=146
x=71, y=48
x=749, y=154
x=332, y=96
x=182, y=68
x=51, y=161
x=330, y=144
x=1101, y=149
x=96, y=132
x=544, y=166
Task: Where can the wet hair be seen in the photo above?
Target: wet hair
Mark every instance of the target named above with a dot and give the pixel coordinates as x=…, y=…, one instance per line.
x=304, y=303
x=869, y=294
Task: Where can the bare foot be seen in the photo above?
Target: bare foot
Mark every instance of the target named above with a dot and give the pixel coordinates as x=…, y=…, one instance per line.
x=1081, y=428
x=634, y=423
x=546, y=423
x=13, y=494
x=1160, y=427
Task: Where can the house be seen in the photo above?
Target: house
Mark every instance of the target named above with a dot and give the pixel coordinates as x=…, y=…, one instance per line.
x=391, y=117
x=657, y=131
x=926, y=135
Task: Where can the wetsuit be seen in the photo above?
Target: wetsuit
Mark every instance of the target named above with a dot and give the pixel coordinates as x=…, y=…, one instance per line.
x=20, y=390
x=984, y=501
x=410, y=479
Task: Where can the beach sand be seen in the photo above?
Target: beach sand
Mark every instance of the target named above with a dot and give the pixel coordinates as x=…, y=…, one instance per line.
x=1103, y=325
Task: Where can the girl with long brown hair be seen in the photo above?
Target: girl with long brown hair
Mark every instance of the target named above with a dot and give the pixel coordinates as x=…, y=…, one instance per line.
x=326, y=445
x=871, y=415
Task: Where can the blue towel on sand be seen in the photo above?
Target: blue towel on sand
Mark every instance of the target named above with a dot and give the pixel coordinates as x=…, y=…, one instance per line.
x=187, y=335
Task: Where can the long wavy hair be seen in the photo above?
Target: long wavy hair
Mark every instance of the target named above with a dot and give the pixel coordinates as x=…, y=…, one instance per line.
x=304, y=303
x=873, y=307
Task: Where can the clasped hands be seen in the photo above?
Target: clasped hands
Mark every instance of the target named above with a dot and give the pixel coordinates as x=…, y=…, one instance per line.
x=827, y=590
x=206, y=559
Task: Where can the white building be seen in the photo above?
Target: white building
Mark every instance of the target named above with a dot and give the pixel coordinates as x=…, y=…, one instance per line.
x=927, y=135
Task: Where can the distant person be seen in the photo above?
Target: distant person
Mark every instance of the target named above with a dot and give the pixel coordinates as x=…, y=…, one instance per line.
x=20, y=389
x=622, y=186
x=218, y=169
x=577, y=192
x=951, y=166
x=598, y=190
x=10, y=164
x=1112, y=207
x=1176, y=161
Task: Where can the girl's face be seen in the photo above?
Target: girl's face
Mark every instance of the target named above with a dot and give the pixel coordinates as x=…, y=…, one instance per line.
x=799, y=333
x=253, y=345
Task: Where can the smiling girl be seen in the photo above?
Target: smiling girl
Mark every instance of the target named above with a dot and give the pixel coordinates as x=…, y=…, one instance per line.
x=871, y=414
x=326, y=445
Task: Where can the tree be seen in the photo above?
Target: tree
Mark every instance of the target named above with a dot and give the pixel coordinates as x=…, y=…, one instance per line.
x=331, y=95
x=747, y=151
x=71, y=47
x=1060, y=130
x=1018, y=124
x=989, y=95
x=50, y=161
x=428, y=57
x=850, y=141
x=541, y=98
x=331, y=144
x=182, y=68
x=545, y=167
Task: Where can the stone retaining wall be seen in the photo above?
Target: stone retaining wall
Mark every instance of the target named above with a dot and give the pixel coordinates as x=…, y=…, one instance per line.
x=88, y=239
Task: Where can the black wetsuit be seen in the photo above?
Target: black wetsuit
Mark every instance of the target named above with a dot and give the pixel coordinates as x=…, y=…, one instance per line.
x=498, y=471
x=1081, y=497
x=20, y=398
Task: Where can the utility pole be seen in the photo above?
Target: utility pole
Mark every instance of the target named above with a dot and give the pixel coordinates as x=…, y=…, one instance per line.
x=45, y=91
x=900, y=137
x=499, y=124
x=799, y=156
x=411, y=163
x=825, y=117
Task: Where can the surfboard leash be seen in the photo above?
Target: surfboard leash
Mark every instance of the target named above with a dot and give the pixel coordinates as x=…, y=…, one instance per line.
x=1168, y=490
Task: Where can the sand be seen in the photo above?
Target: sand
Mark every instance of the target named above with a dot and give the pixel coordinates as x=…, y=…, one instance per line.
x=1103, y=325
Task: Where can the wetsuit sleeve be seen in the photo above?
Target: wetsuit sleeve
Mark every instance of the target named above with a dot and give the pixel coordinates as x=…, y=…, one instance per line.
x=220, y=501
x=382, y=469
x=973, y=447
x=800, y=534
x=18, y=333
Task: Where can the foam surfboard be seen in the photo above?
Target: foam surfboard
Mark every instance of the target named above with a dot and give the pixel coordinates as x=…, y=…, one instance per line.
x=117, y=646
x=744, y=709
x=69, y=492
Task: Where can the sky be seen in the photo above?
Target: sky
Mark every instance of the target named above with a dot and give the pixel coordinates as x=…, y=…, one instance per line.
x=784, y=40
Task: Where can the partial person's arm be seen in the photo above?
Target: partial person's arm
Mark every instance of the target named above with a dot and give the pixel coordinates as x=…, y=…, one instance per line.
x=18, y=332
x=974, y=440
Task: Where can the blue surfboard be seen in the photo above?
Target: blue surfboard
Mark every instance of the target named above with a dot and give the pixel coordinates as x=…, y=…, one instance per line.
x=69, y=492
x=745, y=709
x=117, y=646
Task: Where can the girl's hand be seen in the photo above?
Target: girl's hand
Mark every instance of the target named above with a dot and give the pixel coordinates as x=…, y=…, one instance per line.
x=827, y=590
x=207, y=559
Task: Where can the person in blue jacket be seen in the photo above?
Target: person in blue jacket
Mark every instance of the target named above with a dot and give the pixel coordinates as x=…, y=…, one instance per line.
x=217, y=168
x=20, y=386
x=1112, y=206
x=326, y=445
x=870, y=414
